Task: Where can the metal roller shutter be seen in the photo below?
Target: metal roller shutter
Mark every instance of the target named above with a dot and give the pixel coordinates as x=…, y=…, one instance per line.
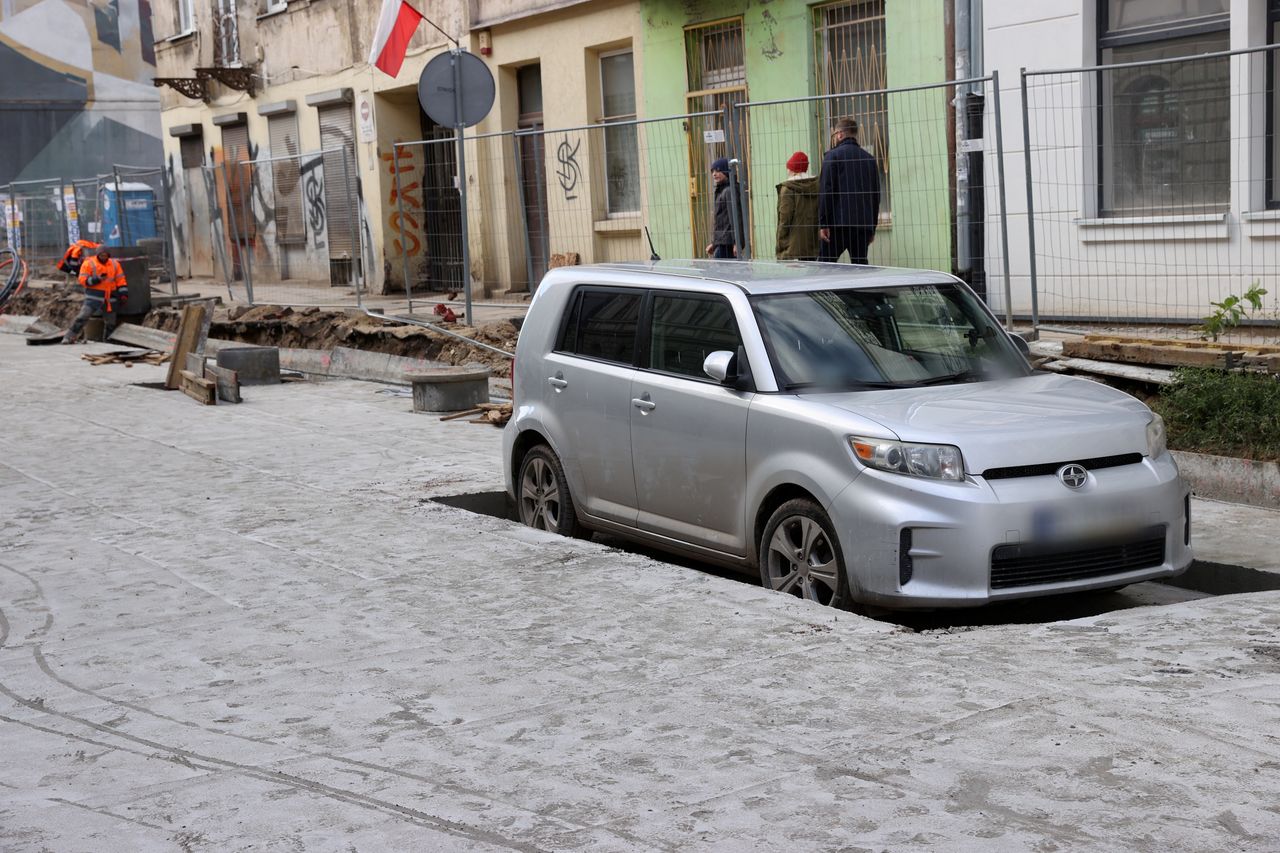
x=337, y=138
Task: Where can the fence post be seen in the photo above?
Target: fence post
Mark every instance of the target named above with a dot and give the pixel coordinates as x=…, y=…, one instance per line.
x=123, y=220
x=170, y=252
x=1004, y=217
x=1031, y=219
x=247, y=251
x=404, y=245
x=456, y=62
x=524, y=211
x=235, y=232
x=357, y=255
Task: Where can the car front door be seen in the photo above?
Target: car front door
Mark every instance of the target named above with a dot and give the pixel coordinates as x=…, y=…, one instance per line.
x=588, y=380
x=688, y=432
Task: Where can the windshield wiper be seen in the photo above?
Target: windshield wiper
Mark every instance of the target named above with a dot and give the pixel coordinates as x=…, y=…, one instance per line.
x=967, y=375
x=847, y=385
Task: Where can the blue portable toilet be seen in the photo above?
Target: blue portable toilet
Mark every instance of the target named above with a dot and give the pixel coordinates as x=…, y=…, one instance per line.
x=137, y=203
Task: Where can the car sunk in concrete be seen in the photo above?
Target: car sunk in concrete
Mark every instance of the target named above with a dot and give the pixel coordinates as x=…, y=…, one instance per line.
x=853, y=434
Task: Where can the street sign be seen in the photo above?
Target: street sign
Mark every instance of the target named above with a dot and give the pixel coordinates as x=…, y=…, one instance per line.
x=436, y=89
x=364, y=115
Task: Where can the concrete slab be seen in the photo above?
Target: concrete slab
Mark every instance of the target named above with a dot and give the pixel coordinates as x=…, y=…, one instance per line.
x=250, y=627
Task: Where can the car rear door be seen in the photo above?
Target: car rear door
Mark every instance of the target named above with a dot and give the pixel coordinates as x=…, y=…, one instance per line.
x=588, y=379
x=688, y=432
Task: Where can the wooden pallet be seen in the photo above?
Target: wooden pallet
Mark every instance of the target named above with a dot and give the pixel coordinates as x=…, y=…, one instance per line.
x=198, y=388
x=1171, y=353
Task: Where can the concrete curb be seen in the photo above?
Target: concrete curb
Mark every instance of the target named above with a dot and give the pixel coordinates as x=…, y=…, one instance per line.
x=1227, y=478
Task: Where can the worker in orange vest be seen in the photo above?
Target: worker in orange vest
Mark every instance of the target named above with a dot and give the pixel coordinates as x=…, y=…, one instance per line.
x=103, y=281
x=75, y=255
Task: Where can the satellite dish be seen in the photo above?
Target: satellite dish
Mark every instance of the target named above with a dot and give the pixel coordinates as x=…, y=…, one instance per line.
x=437, y=83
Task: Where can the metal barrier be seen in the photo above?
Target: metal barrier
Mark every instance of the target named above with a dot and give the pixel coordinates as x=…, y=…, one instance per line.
x=930, y=215
x=540, y=198
x=1150, y=189
x=288, y=230
x=155, y=234
x=35, y=221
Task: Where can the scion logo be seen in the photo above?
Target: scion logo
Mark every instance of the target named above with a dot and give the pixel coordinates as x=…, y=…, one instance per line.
x=1073, y=476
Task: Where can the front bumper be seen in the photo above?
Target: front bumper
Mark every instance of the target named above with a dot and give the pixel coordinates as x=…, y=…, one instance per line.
x=955, y=528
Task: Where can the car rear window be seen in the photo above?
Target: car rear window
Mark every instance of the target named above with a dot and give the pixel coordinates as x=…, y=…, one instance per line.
x=602, y=324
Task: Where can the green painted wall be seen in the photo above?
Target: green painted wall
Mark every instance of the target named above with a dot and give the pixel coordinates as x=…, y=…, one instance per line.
x=779, y=46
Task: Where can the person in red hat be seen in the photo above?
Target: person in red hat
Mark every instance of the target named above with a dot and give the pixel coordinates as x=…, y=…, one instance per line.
x=797, y=212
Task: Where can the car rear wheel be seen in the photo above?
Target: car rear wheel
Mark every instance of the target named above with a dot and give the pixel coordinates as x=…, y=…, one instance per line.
x=800, y=555
x=543, y=497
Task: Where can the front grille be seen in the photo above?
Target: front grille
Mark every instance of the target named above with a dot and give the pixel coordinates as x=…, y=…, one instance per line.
x=1053, y=467
x=1031, y=564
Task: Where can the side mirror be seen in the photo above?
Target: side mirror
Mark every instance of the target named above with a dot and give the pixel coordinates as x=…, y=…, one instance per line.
x=723, y=367
x=1021, y=343
x=719, y=365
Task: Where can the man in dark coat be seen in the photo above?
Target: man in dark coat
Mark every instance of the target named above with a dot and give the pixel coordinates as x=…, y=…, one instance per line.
x=848, y=197
x=723, y=244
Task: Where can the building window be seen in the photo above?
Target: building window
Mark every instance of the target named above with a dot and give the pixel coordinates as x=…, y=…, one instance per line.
x=621, y=149
x=286, y=179
x=270, y=7
x=849, y=50
x=191, y=149
x=186, y=16
x=1166, y=135
x=226, y=34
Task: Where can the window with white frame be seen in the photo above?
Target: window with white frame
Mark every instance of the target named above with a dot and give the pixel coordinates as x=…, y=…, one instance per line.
x=185, y=16
x=270, y=7
x=1165, y=112
x=621, y=143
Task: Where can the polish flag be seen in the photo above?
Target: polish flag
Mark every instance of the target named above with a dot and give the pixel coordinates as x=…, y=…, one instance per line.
x=396, y=26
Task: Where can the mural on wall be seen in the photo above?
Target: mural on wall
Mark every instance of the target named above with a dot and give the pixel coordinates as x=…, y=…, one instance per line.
x=75, y=88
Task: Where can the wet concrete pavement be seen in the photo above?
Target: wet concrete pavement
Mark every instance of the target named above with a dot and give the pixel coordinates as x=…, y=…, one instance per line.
x=249, y=627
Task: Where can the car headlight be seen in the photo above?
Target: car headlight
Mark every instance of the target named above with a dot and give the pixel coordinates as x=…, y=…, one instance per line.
x=1155, y=436
x=935, y=461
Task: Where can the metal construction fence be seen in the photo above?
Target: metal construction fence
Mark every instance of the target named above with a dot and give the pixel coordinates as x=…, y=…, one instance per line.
x=1152, y=190
x=129, y=207
x=538, y=198
x=289, y=230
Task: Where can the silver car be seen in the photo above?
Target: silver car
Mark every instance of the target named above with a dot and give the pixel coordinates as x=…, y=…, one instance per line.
x=854, y=434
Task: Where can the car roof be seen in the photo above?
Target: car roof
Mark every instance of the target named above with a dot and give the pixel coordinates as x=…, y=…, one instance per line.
x=757, y=277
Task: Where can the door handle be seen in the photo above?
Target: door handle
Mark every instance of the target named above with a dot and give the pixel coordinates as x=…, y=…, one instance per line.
x=558, y=382
x=644, y=404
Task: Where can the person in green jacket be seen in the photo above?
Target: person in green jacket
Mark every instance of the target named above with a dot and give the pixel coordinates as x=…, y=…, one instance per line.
x=798, y=212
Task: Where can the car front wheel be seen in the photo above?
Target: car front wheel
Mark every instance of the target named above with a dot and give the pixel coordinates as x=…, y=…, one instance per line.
x=800, y=555
x=543, y=497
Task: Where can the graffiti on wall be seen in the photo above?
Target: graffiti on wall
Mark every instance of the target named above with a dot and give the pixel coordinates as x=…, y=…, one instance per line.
x=568, y=173
x=312, y=172
x=75, y=80
x=405, y=229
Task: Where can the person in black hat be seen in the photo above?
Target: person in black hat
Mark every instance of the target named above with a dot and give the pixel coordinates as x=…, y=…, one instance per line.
x=722, y=243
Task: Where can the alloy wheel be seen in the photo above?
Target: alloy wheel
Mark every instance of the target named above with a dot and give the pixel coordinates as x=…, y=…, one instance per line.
x=801, y=560
x=540, y=496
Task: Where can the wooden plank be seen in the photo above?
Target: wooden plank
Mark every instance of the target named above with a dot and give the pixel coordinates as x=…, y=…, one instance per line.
x=198, y=388
x=227, y=380
x=184, y=343
x=1153, y=375
x=1260, y=349
x=1135, y=353
x=195, y=364
x=462, y=414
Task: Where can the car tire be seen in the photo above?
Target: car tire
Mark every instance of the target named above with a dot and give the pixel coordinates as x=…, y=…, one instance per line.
x=800, y=555
x=543, y=500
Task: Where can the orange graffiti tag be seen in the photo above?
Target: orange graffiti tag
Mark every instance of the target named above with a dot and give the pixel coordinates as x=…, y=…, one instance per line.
x=395, y=220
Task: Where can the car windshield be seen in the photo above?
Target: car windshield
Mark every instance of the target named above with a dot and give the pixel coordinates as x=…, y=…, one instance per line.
x=888, y=337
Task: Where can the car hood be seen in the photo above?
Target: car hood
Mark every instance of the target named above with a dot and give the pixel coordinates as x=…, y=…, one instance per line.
x=1023, y=421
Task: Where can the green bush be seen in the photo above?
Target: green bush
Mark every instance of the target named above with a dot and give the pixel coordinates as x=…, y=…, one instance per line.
x=1230, y=414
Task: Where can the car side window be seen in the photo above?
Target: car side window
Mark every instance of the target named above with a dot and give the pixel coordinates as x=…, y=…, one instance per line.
x=686, y=329
x=602, y=324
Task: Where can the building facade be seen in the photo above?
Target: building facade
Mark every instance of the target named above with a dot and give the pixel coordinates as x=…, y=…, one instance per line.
x=75, y=88
x=1151, y=153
